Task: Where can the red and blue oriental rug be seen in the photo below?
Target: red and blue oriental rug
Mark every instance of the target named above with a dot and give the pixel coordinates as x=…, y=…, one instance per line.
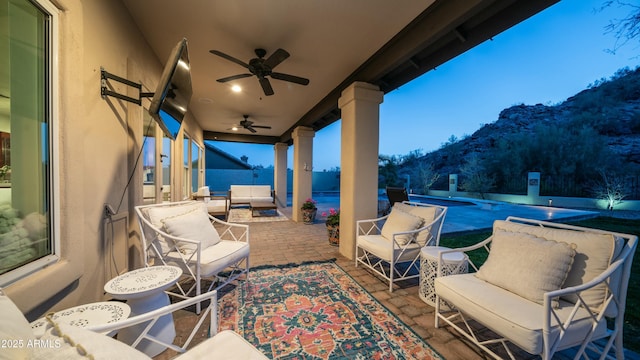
x=316, y=311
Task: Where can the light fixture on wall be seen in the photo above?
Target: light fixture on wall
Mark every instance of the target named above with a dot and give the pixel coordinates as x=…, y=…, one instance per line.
x=307, y=167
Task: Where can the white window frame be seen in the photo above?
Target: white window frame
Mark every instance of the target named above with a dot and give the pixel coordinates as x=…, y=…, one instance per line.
x=51, y=110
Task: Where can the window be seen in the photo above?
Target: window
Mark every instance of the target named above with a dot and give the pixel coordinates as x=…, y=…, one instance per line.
x=186, y=176
x=27, y=140
x=149, y=170
x=165, y=159
x=192, y=166
x=196, y=155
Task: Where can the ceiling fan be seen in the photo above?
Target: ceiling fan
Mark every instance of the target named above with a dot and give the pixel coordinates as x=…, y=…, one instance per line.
x=262, y=68
x=248, y=124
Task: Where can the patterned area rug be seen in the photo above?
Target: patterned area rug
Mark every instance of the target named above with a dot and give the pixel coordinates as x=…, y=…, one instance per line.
x=241, y=215
x=316, y=311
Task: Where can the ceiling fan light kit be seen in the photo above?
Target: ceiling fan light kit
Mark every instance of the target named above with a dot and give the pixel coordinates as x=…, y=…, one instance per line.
x=262, y=69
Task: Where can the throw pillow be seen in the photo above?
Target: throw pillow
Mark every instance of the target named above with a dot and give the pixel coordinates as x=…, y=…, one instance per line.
x=194, y=225
x=427, y=213
x=527, y=265
x=157, y=214
x=400, y=221
x=594, y=253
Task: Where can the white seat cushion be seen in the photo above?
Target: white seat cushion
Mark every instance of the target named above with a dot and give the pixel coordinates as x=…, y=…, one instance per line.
x=217, y=206
x=381, y=248
x=509, y=314
x=225, y=345
x=240, y=191
x=216, y=258
x=261, y=191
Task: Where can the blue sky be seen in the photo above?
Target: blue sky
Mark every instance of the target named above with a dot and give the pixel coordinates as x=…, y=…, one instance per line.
x=543, y=60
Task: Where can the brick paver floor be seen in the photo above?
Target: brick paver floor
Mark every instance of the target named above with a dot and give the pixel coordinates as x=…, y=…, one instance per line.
x=276, y=243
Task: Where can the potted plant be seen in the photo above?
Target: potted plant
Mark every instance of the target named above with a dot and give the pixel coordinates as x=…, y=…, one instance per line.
x=333, y=226
x=309, y=210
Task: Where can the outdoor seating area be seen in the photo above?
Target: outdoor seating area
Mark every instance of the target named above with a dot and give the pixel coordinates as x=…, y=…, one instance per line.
x=595, y=288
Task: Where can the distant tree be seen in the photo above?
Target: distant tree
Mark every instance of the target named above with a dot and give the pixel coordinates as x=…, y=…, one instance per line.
x=428, y=176
x=388, y=170
x=475, y=178
x=412, y=157
x=574, y=153
x=452, y=151
x=611, y=188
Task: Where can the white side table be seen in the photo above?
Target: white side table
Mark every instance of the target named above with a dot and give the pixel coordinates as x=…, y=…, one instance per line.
x=99, y=313
x=452, y=263
x=144, y=291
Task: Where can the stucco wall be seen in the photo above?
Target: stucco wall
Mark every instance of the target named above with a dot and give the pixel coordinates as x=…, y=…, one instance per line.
x=98, y=142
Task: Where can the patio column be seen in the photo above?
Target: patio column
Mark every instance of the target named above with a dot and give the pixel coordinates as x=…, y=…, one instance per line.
x=302, y=168
x=280, y=173
x=360, y=106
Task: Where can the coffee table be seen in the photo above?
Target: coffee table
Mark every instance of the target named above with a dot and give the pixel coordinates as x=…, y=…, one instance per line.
x=263, y=205
x=144, y=291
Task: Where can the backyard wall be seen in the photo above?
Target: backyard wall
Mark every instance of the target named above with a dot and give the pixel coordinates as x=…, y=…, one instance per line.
x=219, y=180
x=558, y=201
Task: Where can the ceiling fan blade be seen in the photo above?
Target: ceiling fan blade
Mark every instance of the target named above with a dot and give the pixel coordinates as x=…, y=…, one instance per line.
x=266, y=86
x=276, y=58
x=230, y=58
x=290, y=78
x=261, y=126
x=234, y=77
x=250, y=128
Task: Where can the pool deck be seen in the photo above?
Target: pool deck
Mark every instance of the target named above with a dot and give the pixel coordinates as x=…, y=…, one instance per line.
x=461, y=219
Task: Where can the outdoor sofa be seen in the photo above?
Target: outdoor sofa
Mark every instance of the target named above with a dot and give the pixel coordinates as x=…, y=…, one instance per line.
x=544, y=287
x=245, y=194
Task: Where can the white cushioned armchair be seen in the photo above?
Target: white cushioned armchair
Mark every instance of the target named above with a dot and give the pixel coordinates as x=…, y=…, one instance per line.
x=204, y=247
x=544, y=287
x=390, y=245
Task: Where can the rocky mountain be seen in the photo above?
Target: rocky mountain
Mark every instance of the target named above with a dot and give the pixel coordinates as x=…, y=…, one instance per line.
x=609, y=108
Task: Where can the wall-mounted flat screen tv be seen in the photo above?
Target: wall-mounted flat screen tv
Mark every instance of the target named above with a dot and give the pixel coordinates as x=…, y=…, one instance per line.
x=171, y=99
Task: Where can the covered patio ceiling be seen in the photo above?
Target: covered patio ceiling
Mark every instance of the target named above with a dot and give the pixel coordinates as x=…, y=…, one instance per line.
x=331, y=42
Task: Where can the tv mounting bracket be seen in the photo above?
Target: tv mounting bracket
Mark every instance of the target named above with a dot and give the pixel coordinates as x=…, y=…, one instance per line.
x=104, y=91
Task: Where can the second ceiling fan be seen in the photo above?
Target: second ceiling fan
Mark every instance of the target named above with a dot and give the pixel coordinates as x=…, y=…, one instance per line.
x=248, y=124
x=261, y=68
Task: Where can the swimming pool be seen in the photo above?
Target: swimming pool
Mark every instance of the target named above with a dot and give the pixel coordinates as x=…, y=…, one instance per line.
x=433, y=200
